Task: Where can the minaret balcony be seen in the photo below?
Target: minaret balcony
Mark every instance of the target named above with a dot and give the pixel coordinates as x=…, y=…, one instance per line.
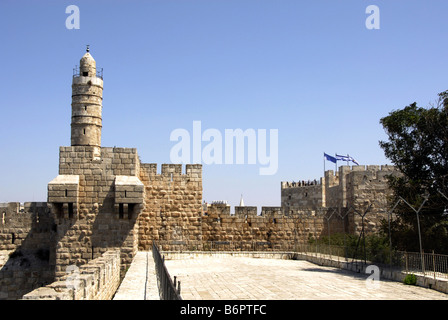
x=77, y=73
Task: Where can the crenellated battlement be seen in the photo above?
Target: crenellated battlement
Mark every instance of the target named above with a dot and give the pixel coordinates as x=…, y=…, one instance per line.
x=223, y=208
x=331, y=178
x=15, y=211
x=301, y=183
x=193, y=170
x=243, y=212
x=343, y=170
x=358, y=175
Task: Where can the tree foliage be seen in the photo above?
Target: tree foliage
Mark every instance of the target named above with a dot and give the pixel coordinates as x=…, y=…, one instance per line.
x=418, y=146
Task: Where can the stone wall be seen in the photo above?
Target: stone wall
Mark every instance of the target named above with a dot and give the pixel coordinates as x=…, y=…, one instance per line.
x=302, y=194
x=267, y=229
x=173, y=204
x=27, y=247
x=99, y=279
x=367, y=191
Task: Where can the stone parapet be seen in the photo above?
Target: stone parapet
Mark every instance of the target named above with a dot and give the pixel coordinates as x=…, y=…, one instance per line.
x=99, y=279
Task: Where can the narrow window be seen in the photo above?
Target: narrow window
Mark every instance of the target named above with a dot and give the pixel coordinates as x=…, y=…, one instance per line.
x=58, y=210
x=125, y=194
x=70, y=210
x=130, y=210
x=84, y=131
x=85, y=108
x=120, y=211
x=66, y=192
x=13, y=238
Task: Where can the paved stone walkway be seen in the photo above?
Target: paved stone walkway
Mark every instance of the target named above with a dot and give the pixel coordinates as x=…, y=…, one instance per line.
x=140, y=281
x=239, y=278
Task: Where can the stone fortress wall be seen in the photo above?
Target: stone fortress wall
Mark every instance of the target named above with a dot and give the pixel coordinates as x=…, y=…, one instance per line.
x=309, y=209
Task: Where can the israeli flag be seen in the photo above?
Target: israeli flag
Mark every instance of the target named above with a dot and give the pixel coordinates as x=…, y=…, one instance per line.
x=346, y=158
x=342, y=158
x=354, y=161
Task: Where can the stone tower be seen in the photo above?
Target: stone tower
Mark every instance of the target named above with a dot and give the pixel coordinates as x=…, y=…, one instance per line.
x=105, y=199
x=87, y=97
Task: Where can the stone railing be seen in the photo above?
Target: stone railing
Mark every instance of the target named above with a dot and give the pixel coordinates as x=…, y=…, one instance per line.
x=99, y=279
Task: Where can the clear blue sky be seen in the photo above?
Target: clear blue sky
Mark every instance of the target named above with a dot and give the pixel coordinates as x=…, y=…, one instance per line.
x=310, y=69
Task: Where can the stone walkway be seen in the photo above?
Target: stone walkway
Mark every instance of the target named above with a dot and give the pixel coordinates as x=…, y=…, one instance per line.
x=241, y=278
x=140, y=281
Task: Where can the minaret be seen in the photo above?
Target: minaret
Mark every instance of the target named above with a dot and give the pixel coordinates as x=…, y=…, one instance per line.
x=87, y=98
x=241, y=201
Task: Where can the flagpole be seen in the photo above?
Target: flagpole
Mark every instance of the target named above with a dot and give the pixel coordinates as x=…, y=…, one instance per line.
x=324, y=163
x=336, y=165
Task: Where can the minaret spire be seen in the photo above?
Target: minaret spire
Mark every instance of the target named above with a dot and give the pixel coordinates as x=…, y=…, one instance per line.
x=241, y=201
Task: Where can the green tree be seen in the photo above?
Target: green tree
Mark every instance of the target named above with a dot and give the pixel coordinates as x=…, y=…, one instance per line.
x=418, y=146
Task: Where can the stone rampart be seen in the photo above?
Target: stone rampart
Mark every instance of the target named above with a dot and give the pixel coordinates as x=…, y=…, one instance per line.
x=98, y=279
x=271, y=226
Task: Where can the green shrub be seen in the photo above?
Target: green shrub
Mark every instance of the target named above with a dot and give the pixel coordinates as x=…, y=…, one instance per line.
x=410, y=279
